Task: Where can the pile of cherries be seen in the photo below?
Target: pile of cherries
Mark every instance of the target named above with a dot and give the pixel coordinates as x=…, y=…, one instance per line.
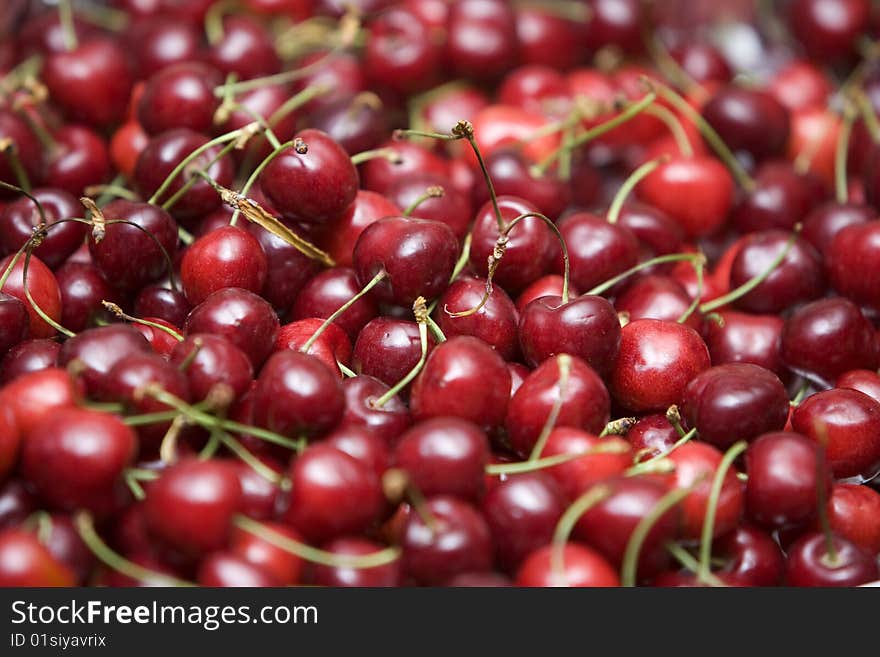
x=444, y=293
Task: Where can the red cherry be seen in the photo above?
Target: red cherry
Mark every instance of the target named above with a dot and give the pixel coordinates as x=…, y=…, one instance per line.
x=332, y=346
x=853, y=515
x=227, y=257
x=810, y=564
x=583, y=566
x=285, y=567
x=367, y=208
x=866, y=381
x=385, y=575
x=388, y=349
x=95, y=351
x=43, y=288
x=387, y=421
x=212, y=360
x=495, y=323
x=852, y=263
x=33, y=395
x=24, y=561
x=481, y=38
x=180, y=96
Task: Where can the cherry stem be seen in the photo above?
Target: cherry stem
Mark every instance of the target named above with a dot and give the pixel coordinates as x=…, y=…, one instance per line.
x=869, y=116
x=497, y=469
x=168, y=446
x=10, y=151
x=315, y=555
x=841, y=189
x=246, y=188
x=378, y=278
x=398, y=486
x=618, y=427
x=659, y=260
x=191, y=356
x=27, y=293
x=346, y=371
x=629, y=567
x=563, y=362
x=249, y=459
x=648, y=464
x=673, y=124
x=110, y=191
x=421, y=314
x=698, y=265
x=194, y=177
x=434, y=191
x=116, y=310
x=566, y=525
x=85, y=527
x=687, y=560
x=629, y=184
x=435, y=329
x=666, y=63
x=753, y=282
x=673, y=416
x=712, y=508
x=709, y=133
x=631, y=110
x=68, y=28
x=214, y=30
x=377, y=154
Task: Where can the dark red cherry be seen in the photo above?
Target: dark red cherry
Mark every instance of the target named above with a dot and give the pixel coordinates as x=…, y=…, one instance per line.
x=495, y=323
x=17, y=502
x=163, y=153
x=388, y=348
x=332, y=494
x=824, y=222
x=702, y=62
x=296, y=394
x=259, y=496
x=82, y=290
x=180, y=96
x=736, y=401
x=368, y=207
x=481, y=38
x=27, y=147
x=10, y=441
x=287, y=269
x=400, y=53
x=385, y=575
x=522, y=513
x=657, y=232
x=512, y=176
x=656, y=361
x=92, y=82
x=586, y=327
x=209, y=360
x=162, y=302
x=24, y=561
x=358, y=123
x=786, y=471
x=616, y=23
x=80, y=159
x=798, y=277
x=810, y=564
x=654, y=296
x=750, y=121
x=583, y=567
x=28, y=356
x=452, y=208
x=459, y=541
x=361, y=394
x=18, y=219
x=326, y=292
x=866, y=381
x=161, y=41
x=44, y=33
x=417, y=256
x=132, y=256
x=847, y=423
x=609, y=524
x=546, y=39
x=245, y=49
x=651, y=435
x=191, y=505
x=94, y=352
x=852, y=263
x=263, y=101
x=853, y=514
x=745, y=338
x=463, y=377
x=365, y=445
x=752, y=557
x=75, y=457
x=245, y=319
x=380, y=174
x=826, y=338
x=338, y=71
x=282, y=565
x=597, y=249
x=829, y=29
x=228, y=570
x=444, y=456
x=226, y=257
x=780, y=198
x=315, y=186
x=14, y=322
x=585, y=404
x=530, y=249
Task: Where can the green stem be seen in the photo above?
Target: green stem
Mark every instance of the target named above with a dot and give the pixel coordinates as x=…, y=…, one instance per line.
x=400, y=385
x=840, y=155
x=698, y=265
x=246, y=188
x=563, y=362
x=378, y=278
x=629, y=184
x=659, y=260
x=687, y=561
x=375, y=154
x=68, y=28
x=434, y=191
x=497, y=469
x=566, y=525
x=673, y=124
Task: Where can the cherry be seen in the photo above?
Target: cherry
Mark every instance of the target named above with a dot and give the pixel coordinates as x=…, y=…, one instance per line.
x=285, y=567
x=852, y=514
x=332, y=346
x=695, y=465
x=82, y=289
x=296, y=394
x=829, y=29
x=133, y=255
x=24, y=561
x=443, y=456
x=263, y=101
x=610, y=458
x=191, y=505
x=287, y=270
x=597, y=249
x=245, y=49
x=536, y=88
x=702, y=62
x=226, y=257
x=43, y=289
x=651, y=435
x=387, y=349
x=162, y=41
x=17, y=502
x=363, y=444
x=583, y=567
x=380, y=173
x=696, y=192
x=180, y=96
x=160, y=157
x=522, y=512
x=452, y=208
x=377, y=576
x=786, y=471
x=736, y=401
x=341, y=73
x=846, y=422
x=810, y=564
x=44, y=33
x=800, y=85
x=80, y=159
x=826, y=338
x=358, y=123
x=852, y=263
x=209, y=360
x=417, y=256
x=64, y=543
x=654, y=296
x=586, y=327
x=33, y=395
x=752, y=557
x=10, y=441
x=242, y=317
x=19, y=218
x=656, y=361
x=126, y=146
x=91, y=83
x=95, y=351
x=367, y=208
x=824, y=222
x=27, y=147
x=260, y=497
x=14, y=322
x=615, y=22
x=316, y=186
x=332, y=494
x=495, y=323
x=75, y=457
x=400, y=53
x=546, y=39
x=866, y=381
x=608, y=525
x=227, y=569
x=388, y=421
x=751, y=122
x=746, y=338
x=326, y=292
x=481, y=38
x=780, y=198
x=798, y=277
x=456, y=540
x=162, y=302
x=584, y=402
x=657, y=232
x=465, y=378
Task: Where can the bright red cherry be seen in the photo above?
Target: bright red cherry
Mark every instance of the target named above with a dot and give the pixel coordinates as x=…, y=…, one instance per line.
x=582, y=567
x=226, y=257
x=24, y=561
x=43, y=288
